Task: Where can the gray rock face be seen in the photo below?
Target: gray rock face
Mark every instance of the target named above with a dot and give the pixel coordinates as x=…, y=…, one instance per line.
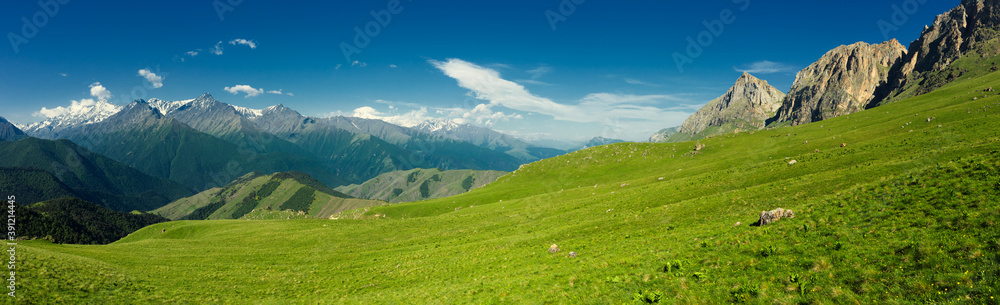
x=746, y=106
x=767, y=217
x=965, y=28
x=842, y=82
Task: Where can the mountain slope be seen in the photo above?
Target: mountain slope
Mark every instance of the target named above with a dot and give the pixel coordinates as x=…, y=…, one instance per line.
x=75, y=221
x=256, y=196
x=9, y=132
x=841, y=82
x=662, y=135
x=746, y=106
x=420, y=184
x=30, y=185
x=90, y=175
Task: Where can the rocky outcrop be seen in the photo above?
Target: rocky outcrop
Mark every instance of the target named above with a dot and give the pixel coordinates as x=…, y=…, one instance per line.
x=767, y=217
x=662, y=135
x=746, y=106
x=966, y=28
x=842, y=82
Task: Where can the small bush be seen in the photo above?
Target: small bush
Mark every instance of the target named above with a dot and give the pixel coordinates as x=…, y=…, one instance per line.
x=648, y=297
x=744, y=293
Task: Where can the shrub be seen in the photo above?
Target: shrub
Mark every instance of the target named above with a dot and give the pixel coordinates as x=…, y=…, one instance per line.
x=648, y=297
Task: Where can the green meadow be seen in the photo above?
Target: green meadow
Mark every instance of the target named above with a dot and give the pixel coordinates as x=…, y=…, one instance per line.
x=899, y=204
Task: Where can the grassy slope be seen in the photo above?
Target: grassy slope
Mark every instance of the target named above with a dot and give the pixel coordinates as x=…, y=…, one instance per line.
x=325, y=201
x=420, y=184
x=895, y=217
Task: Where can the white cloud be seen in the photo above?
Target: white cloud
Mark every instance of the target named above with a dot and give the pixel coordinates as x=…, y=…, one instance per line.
x=152, y=78
x=409, y=119
x=250, y=43
x=250, y=91
x=217, y=49
x=482, y=114
x=193, y=53
x=278, y=92
x=75, y=106
x=337, y=68
x=97, y=90
x=486, y=84
x=358, y=63
x=765, y=67
x=63, y=74
x=393, y=66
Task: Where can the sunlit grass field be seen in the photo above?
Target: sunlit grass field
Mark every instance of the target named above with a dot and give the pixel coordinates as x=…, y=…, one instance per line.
x=895, y=205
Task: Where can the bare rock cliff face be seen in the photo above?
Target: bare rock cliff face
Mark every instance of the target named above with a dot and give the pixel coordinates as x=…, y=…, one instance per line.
x=842, y=82
x=746, y=106
x=968, y=27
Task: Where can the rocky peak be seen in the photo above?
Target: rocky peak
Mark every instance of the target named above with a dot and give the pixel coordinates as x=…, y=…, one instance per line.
x=9, y=132
x=964, y=28
x=747, y=104
x=841, y=82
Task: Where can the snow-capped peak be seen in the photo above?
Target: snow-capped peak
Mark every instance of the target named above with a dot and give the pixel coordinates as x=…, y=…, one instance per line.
x=249, y=113
x=166, y=107
x=82, y=112
x=438, y=125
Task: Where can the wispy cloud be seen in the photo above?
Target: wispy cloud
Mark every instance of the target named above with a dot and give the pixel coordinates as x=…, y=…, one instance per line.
x=486, y=84
x=152, y=78
x=248, y=90
x=63, y=74
x=534, y=82
x=278, y=92
x=633, y=81
x=765, y=67
x=193, y=53
x=539, y=72
x=359, y=64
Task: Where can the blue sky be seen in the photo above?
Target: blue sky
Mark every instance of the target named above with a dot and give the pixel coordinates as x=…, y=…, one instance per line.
x=605, y=68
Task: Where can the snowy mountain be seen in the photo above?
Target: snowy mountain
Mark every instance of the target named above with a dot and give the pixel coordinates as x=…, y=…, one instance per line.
x=488, y=138
x=79, y=113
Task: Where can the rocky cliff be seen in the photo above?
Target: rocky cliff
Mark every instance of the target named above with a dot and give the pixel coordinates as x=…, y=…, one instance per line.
x=969, y=29
x=841, y=82
x=746, y=106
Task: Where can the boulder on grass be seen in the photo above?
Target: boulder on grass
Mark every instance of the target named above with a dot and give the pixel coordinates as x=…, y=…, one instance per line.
x=767, y=217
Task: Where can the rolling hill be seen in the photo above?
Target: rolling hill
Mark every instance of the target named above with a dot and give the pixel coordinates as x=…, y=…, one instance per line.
x=420, y=184
x=255, y=196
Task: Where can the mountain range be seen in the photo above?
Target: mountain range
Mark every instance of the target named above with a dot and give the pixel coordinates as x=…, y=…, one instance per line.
x=860, y=76
x=203, y=143
x=746, y=106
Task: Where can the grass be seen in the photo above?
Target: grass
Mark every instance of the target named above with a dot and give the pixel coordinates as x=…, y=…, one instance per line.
x=905, y=213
